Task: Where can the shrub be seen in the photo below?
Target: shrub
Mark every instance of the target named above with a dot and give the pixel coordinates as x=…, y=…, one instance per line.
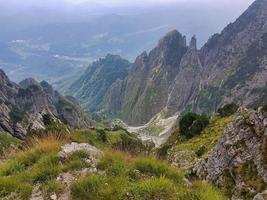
x=47, y=120
x=129, y=143
x=192, y=124
x=227, y=110
x=102, y=135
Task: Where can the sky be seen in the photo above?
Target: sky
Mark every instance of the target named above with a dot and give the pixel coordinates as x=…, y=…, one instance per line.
x=114, y=2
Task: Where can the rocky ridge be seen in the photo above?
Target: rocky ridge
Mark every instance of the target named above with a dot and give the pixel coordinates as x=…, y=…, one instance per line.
x=23, y=107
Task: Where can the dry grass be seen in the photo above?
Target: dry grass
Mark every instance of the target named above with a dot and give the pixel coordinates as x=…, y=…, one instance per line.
x=47, y=142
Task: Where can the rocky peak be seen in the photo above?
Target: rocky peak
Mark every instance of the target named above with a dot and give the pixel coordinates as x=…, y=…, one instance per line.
x=169, y=50
x=193, y=43
x=48, y=88
x=28, y=82
x=3, y=76
x=172, y=37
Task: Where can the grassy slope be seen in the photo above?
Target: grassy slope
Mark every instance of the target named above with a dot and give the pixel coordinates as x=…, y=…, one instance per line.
x=198, y=146
x=122, y=176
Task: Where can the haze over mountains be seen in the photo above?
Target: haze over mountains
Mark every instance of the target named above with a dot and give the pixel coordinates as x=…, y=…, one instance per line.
x=175, y=77
x=52, y=39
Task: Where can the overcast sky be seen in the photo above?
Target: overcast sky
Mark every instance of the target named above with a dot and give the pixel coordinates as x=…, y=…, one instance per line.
x=116, y=2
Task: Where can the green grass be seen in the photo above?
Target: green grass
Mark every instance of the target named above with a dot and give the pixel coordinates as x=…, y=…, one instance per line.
x=209, y=137
x=121, y=175
x=91, y=136
x=119, y=140
x=138, y=178
x=38, y=163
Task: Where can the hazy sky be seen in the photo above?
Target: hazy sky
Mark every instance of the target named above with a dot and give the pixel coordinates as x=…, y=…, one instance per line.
x=116, y=2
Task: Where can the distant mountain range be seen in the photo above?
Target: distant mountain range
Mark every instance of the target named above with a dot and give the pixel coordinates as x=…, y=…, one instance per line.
x=175, y=77
x=51, y=45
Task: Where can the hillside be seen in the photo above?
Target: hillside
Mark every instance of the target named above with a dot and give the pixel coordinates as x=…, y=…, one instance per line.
x=227, y=160
x=92, y=86
x=57, y=167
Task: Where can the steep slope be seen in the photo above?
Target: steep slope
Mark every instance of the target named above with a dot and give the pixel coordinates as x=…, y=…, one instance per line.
x=94, y=83
x=187, y=81
x=238, y=161
x=235, y=61
x=23, y=108
x=145, y=90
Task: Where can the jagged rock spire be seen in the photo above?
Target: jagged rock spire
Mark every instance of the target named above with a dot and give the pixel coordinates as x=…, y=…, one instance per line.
x=193, y=43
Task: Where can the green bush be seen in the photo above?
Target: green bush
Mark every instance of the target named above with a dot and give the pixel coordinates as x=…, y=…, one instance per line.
x=102, y=135
x=129, y=143
x=227, y=110
x=192, y=124
x=47, y=120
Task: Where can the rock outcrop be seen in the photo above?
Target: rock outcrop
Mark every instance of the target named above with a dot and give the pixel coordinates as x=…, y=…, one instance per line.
x=69, y=149
x=238, y=162
x=23, y=107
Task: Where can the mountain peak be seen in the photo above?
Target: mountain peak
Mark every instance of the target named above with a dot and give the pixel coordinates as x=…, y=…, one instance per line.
x=28, y=82
x=193, y=43
x=172, y=38
x=3, y=75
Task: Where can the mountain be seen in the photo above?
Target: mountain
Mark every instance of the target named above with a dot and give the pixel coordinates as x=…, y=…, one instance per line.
x=91, y=87
x=145, y=89
x=235, y=60
x=174, y=77
x=56, y=43
x=25, y=107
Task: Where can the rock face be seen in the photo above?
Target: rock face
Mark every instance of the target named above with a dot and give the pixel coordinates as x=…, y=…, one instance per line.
x=144, y=92
x=239, y=160
x=22, y=107
x=69, y=149
x=234, y=62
